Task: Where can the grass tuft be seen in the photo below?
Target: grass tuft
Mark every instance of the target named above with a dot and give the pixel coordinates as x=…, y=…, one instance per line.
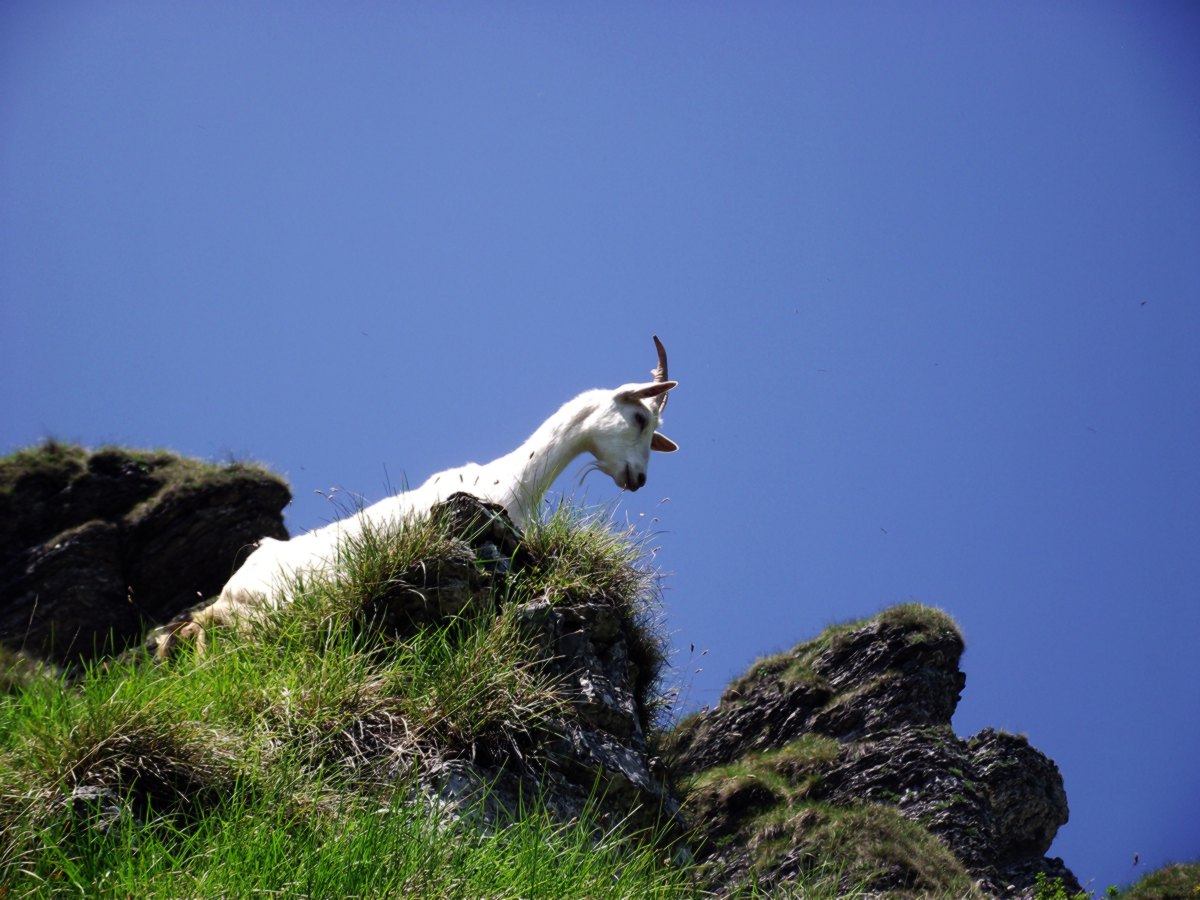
x=580, y=556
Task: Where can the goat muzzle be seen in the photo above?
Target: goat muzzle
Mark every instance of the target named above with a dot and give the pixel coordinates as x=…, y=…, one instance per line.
x=633, y=480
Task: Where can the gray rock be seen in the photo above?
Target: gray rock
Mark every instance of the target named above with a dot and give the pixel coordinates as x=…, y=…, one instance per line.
x=1028, y=804
x=97, y=807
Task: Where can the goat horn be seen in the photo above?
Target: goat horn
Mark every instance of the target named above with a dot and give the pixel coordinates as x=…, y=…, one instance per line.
x=660, y=374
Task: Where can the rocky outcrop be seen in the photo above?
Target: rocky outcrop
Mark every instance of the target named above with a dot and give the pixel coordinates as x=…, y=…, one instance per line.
x=859, y=720
x=95, y=545
x=591, y=649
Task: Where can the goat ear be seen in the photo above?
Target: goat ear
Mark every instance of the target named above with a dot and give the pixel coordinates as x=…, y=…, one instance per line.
x=662, y=443
x=644, y=391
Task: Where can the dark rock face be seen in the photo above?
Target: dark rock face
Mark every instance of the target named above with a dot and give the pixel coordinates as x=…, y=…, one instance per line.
x=603, y=745
x=1026, y=792
x=587, y=645
x=865, y=681
x=880, y=696
x=94, y=546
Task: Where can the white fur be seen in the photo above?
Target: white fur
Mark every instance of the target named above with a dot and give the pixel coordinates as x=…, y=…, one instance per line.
x=616, y=426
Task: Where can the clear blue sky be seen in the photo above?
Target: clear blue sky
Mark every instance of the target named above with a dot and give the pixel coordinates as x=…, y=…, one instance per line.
x=929, y=276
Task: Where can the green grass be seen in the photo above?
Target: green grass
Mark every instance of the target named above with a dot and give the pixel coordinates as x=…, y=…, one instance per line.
x=840, y=849
x=266, y=844
x=56, y=464
x=268, y=765
x=1168, y=883
x=257, y=768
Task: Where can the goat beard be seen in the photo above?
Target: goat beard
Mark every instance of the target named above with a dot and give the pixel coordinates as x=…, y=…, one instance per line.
x=586, y=470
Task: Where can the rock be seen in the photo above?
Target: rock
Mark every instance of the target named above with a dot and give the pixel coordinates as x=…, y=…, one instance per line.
x=856, y=720
x=97, y=807
x=71, y=598
x=895, y=670
x=585, y=643
x=927, y=774
x=94, y=546
x=1028, y=804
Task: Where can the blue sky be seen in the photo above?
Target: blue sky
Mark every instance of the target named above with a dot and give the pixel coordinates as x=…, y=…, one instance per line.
x=928, y=274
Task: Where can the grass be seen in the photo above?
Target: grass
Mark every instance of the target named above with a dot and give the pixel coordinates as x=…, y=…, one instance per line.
x=785, y=775
x=54, y=465
x=872, y=841
x=256, y=845
x=286, y=761
x=840, y=849
x=278, y=763
x=1168, y=883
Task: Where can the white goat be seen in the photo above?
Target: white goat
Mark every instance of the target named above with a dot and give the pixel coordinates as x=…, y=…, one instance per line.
x=618, y=427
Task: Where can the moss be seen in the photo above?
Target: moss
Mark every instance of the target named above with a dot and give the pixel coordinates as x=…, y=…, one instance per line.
x=789, y=771
x=872, y=847
x=50, y=462
x=748, y=798
x=180, y=474
x=53, y=466
x=925, y=622
x=788, y=668
x=797, y=666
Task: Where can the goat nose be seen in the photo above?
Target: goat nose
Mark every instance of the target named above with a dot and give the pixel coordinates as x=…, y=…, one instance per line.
x=631, y=478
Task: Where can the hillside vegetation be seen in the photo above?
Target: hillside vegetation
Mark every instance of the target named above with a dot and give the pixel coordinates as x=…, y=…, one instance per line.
x=290, y=761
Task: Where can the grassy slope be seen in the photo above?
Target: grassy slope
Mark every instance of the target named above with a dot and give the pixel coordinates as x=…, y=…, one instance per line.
x=243, y=773
x=1169, y=882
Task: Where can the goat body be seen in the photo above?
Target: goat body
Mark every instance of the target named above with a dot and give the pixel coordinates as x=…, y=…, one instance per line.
x=618, y=427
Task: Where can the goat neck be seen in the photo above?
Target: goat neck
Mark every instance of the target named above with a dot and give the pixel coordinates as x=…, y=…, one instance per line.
x=522, y=477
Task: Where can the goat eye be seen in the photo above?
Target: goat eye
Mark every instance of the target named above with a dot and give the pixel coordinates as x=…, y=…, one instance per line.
x=640, y=419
